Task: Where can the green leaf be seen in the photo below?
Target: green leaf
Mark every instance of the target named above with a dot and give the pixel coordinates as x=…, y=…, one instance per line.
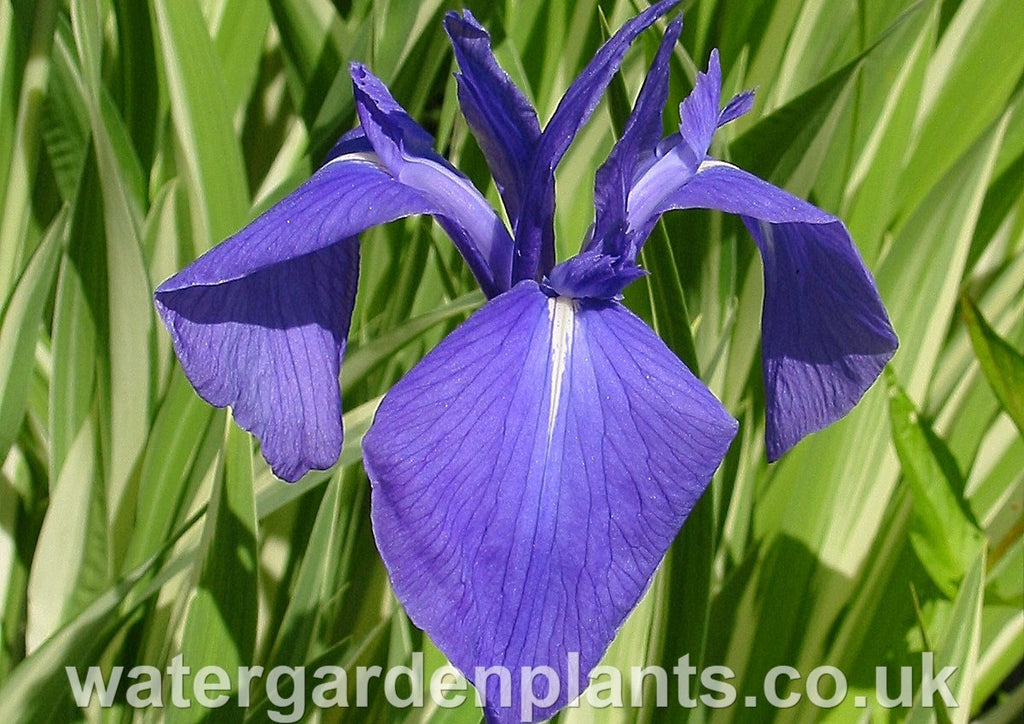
x=973, y=72
x=361, y=360
x=945, y=538
x=19, y=528
x=239, y=27
x=368, y=649
x=1002, y=364
x=778, y=146
x=220, y=628
x=1002, y=640
x=671, y=319
x=168, y=475
x=38, y=689
x=929, y=256
x=355, y=423
x=202, y=118
x=958, y=648
x=74, y=351
x=73, y=541
x=891, y=88
x=18, y=169
x=315, y=583
x=467, y=712
x=19, y=328
x=66, y=122
x=686, y=579
x=317, y=45
x=118, y=287
x=138, y=90
x=775, y=147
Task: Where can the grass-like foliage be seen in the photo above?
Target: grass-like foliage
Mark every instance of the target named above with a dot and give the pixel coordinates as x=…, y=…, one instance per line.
x=139, y=525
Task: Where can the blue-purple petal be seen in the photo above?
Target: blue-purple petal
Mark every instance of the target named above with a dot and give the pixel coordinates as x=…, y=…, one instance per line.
x=722, y=186
x=639, y=139
x=677, y=157
x=260, y=321
x=699, y=111
x=353, y=141
x=407, y=151
x=738, y=105
x=502, y=119
x=825, y=333
x=592, y=275
x=528, y=476
x=534, y=228
x=270, y=346
x=332, y=205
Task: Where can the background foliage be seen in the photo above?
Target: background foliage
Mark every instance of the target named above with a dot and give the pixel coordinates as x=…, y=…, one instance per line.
x=137, y=523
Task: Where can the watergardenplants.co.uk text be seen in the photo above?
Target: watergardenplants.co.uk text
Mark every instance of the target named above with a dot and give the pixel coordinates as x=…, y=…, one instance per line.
x=287, y=692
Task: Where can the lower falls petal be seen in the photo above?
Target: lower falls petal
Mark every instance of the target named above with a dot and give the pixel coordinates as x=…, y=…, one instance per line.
x=259, y=322
x=270, y=345
x=528, y=476
x=825, y=333
x=825, y=336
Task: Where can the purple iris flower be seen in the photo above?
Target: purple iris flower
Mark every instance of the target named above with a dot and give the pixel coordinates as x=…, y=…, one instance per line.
x=531, y=471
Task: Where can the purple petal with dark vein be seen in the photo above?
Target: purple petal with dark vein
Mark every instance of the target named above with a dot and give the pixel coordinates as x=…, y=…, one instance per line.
x=699, y=111
x=354, y=141
x=738, y=105
x=534, y=230
x=722, y=186
x=528, y=476
x=270, y=346
x=502, y=119
x=343, y=198
x=406, y=150
x=640, y=136
x=825, y=333
x=259, y=322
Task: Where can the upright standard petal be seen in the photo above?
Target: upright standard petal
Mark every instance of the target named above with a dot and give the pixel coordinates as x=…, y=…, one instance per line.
x=739, y=105
x=528, y=476
x=260, y=321
x=407, y=151
x=825, y=333
x=502, y=119
x=639, y=138
x=534, y=228
x=699, y=114
x=677, y=157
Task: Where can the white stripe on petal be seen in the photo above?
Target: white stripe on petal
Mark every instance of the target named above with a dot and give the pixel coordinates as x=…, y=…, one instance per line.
x=562, y=313
x=367, y=156
x=712, y=163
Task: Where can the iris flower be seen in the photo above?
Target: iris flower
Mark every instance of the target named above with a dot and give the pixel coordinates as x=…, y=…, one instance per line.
x=530, y=472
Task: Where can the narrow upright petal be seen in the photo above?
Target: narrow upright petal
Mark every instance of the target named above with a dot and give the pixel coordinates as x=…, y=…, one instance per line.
x=534, y=229
x=528, y=476
x=699, y=112
x=260, y=321
x=407, y=151
x=502, y=119
x=679, y=155
x=740, y=104
x=639, y=138
x=825, y=334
